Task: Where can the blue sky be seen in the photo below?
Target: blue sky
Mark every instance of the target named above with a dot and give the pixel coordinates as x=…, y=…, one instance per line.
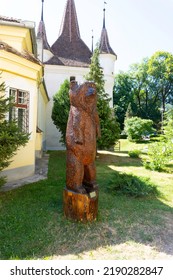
x=136, y=28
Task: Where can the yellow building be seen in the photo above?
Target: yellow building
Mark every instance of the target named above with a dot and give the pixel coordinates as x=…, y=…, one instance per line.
x=23, y=74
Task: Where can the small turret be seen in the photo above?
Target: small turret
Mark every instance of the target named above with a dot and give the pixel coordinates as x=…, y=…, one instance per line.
x=107, y=60
x=44, y=50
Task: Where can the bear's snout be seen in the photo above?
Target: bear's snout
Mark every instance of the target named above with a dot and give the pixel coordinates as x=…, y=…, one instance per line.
x=90, y=91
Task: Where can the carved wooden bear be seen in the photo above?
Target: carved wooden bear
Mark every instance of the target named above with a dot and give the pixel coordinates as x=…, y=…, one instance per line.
x=82, y=130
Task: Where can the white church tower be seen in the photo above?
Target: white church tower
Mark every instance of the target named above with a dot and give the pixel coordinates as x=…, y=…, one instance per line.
x=107, y=60
x=69, y=58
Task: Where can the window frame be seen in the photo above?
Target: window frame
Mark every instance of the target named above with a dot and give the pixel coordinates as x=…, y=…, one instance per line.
x=19, y=95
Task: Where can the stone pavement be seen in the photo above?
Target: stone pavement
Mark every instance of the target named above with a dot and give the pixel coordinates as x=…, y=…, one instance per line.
x=41, y=170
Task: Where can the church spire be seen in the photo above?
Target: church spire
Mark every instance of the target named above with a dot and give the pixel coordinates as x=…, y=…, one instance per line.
x=104, y=15
x=104, y=40
x=69, y=49
x=42, y=10
x=41, y=35
x=69, y=26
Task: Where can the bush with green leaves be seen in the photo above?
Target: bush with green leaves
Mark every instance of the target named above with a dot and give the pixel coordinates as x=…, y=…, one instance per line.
x=159, y=154
x=136, y=128
x=130, y=185
x=2, y=181
x=61, y=108
x=134, y=153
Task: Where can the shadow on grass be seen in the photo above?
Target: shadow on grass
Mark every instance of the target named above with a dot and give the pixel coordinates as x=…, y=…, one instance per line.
x=119, y=160
x=33, y=225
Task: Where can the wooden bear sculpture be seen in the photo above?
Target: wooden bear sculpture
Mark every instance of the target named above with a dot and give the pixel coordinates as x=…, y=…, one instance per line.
x=82, y=130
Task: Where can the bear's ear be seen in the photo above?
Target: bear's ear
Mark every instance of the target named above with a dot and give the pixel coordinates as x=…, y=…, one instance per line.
x=73, y=85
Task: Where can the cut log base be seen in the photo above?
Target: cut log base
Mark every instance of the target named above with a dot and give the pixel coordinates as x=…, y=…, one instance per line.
x=80, y=207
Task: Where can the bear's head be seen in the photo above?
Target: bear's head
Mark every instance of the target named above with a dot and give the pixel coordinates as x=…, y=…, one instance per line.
x=83, y=96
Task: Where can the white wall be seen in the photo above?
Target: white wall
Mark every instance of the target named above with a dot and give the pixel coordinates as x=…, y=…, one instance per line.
x=107, y=62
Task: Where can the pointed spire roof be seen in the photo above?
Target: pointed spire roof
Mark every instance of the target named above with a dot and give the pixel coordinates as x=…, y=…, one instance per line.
x=69, y=26
x=69, y=48
x=104, y=45
x=41, y=33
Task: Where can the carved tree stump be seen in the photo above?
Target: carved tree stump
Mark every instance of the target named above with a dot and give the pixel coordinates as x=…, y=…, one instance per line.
x=80, y=207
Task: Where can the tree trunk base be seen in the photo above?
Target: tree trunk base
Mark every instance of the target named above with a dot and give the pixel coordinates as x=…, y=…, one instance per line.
x=80, y=207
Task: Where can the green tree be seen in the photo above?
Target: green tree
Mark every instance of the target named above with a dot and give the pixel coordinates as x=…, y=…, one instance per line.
x=148, y=86
x=137, y=89
x=123, y=96
x=145, y=94
x=161, y=72
x=96, y=74
x=11, y=137
x=136, y=127
x=108, y=123
x=129, y=112
x=61, y=108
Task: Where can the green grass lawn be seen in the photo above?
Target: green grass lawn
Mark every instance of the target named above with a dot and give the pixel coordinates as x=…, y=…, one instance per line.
x=32, y=224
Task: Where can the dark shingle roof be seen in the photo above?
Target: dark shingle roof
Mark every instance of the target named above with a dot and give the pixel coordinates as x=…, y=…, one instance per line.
x=104, y=43
x=41, y=33
x=56, y=60
x=69, y=47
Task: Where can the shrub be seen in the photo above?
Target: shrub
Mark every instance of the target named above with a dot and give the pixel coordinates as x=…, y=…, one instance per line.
x=159, y=155
x=134, y=153
x=61, y=108
x=136, y=128
x=130, y=185
x=2, y=181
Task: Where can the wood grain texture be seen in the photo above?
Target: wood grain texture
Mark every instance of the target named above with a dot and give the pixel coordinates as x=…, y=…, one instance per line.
x=80, y=207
